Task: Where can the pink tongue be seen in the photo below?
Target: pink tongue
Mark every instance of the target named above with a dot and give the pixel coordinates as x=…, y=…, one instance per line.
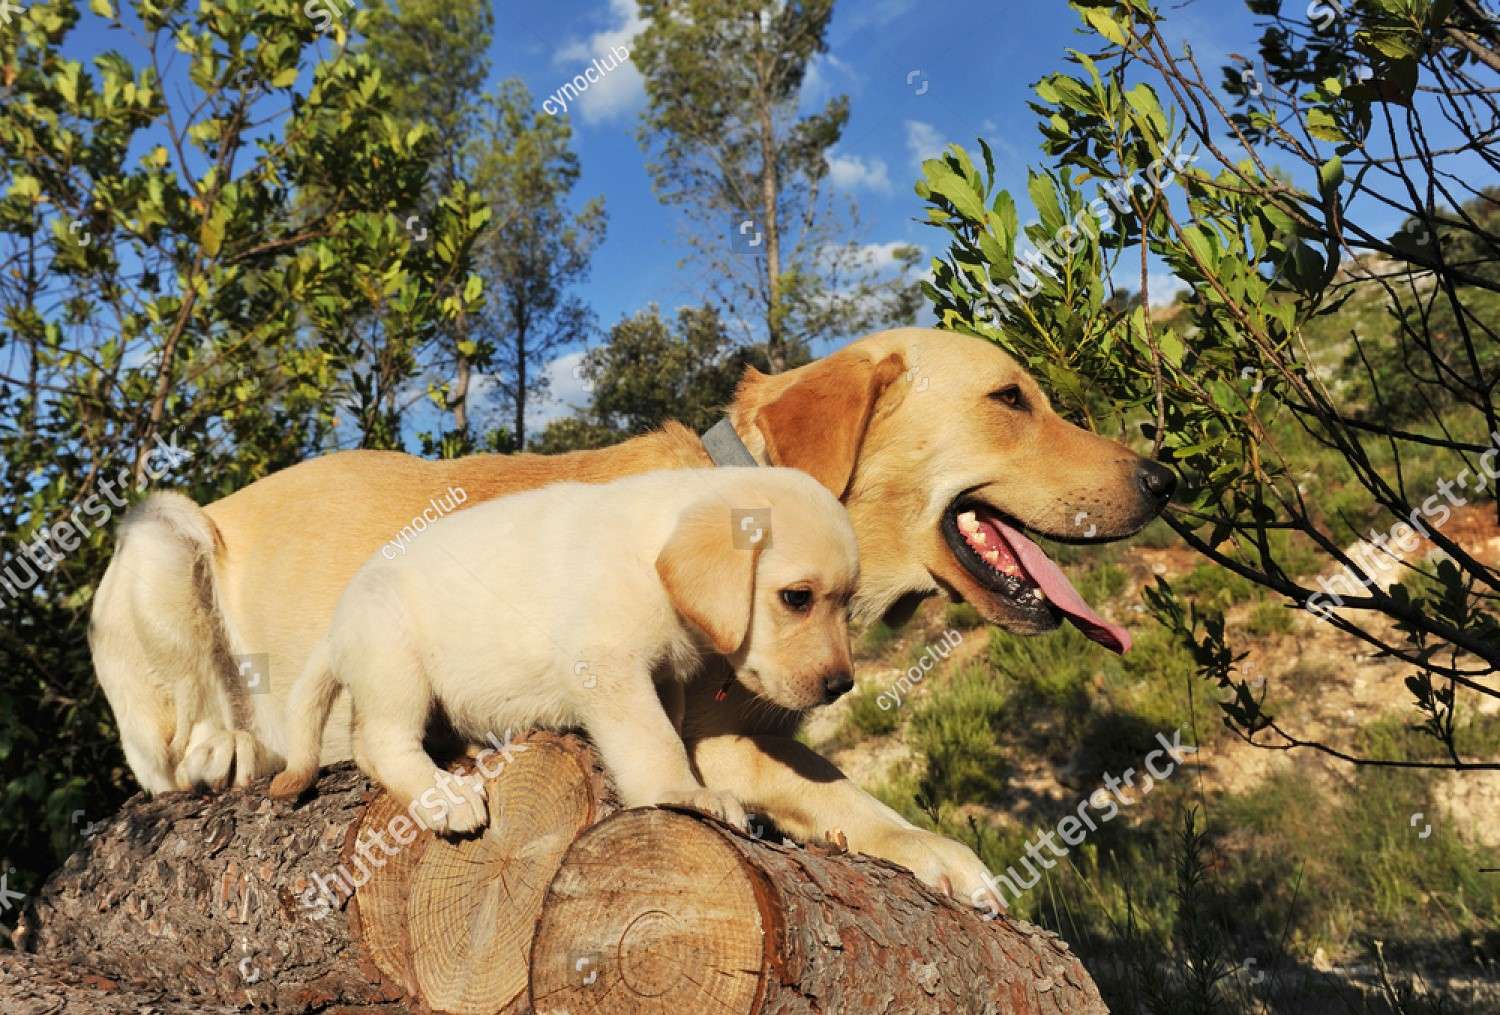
x=1056, y=587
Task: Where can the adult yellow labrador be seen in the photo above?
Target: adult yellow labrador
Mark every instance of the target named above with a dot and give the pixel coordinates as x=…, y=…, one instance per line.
x=943, y=450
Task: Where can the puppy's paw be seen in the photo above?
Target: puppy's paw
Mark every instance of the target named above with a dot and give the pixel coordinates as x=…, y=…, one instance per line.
x=208, y=762
x=469, y=814
x=249, y=761
x=291, y=784
x=939, y=862
x=715, y=803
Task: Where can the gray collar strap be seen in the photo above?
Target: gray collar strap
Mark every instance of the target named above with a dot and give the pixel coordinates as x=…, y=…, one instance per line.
x=725, y=447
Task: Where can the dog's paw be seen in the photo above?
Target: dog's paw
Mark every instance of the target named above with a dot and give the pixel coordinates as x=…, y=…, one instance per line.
x=249, y=761
x=715, y=803
x=291, y=784
x=208, y=762
x=470, y=813
x=939, y=862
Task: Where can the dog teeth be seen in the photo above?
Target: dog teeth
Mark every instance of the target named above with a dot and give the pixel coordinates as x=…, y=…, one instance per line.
x=978, y=537
x=992, y=558
x=968, y=524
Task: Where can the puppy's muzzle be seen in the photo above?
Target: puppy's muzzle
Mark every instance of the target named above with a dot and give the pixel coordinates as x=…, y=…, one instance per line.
x=837, y=684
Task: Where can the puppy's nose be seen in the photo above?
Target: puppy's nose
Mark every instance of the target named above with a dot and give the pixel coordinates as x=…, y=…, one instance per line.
x=837, y=683
x=1156, y=480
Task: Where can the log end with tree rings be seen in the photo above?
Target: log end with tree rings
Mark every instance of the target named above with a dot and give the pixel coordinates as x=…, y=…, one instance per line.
x=660, y=911
x=453, y=922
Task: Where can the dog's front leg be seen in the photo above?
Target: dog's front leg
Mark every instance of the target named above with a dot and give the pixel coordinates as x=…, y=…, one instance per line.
x=645, y=757
x=807, y=796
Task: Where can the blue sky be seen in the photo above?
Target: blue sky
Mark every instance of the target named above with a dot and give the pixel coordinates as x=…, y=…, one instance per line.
x=918, y=75
x=971, y=67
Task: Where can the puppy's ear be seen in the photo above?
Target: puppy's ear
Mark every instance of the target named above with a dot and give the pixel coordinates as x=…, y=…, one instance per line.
x=816, y=423
x=709, y=574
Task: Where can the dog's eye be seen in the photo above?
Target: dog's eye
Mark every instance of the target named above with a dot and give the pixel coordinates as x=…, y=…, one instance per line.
x=796, y=600
x=1010, y=396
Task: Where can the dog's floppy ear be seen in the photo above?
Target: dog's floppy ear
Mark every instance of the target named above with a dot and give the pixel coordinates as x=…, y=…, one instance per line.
x=709, y=574
x=816, y=423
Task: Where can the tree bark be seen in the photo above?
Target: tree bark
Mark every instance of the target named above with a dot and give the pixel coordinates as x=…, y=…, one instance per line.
x=30, y=985
x=337, y=900
x=770, y=195
x=660, y=911
x=341, y=903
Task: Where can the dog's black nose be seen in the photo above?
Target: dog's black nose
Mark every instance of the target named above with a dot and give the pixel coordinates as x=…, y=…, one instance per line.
x=1156, y=480
x=837, y=683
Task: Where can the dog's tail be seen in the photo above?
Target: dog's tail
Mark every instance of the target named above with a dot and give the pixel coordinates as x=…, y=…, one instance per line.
x=157, y=638
x=307, y=709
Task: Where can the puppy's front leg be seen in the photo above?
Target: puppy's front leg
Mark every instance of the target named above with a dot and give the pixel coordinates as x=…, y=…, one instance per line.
x=806, y=795
x=646, y=757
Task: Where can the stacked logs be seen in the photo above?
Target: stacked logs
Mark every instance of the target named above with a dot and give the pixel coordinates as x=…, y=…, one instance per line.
x=340, y=902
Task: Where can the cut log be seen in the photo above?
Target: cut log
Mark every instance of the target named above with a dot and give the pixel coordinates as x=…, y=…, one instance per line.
x=341, y=903
x=338, y=900
x=656, y=911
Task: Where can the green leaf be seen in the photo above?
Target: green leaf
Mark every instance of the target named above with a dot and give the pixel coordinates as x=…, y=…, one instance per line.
x=103, y=8
x=1044, y=198
x=1321, y=125
x=943, y=181
x=211, y=233
x=1143, y=100
x=1198, y=239
x=1331, y=174
x=1105, y=24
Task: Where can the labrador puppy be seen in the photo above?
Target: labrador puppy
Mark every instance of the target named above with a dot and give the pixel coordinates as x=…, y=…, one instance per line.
x=579, y=605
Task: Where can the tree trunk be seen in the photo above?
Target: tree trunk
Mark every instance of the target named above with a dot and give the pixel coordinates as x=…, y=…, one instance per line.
x=521, y=356
x=659, y=911
x=458, y=401
x=242, y=900
x=341, y=903
x=770, y=196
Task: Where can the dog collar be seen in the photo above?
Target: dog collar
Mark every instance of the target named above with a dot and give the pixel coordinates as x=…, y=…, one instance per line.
x=725, y=447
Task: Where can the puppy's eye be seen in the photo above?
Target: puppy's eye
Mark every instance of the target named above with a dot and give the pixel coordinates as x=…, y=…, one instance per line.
x=796, y=600
x=1010, y=396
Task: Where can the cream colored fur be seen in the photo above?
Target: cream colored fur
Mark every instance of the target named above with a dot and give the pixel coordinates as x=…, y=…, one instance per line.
x=896, y=425
x=568, y=606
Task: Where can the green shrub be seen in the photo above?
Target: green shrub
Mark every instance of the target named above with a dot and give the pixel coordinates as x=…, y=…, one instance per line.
x=876, y=639
x=1269, y=618
x=866, y=715
x=960, y=734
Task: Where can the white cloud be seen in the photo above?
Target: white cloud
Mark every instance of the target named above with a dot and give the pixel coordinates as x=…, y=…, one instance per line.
x=875, y=14
x=879, y=258
x=1162, y=285
x=923, y=140
x=882, y=256
x=566, y=392
x=618, y=93
x=850, y=172
x=818, y=85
